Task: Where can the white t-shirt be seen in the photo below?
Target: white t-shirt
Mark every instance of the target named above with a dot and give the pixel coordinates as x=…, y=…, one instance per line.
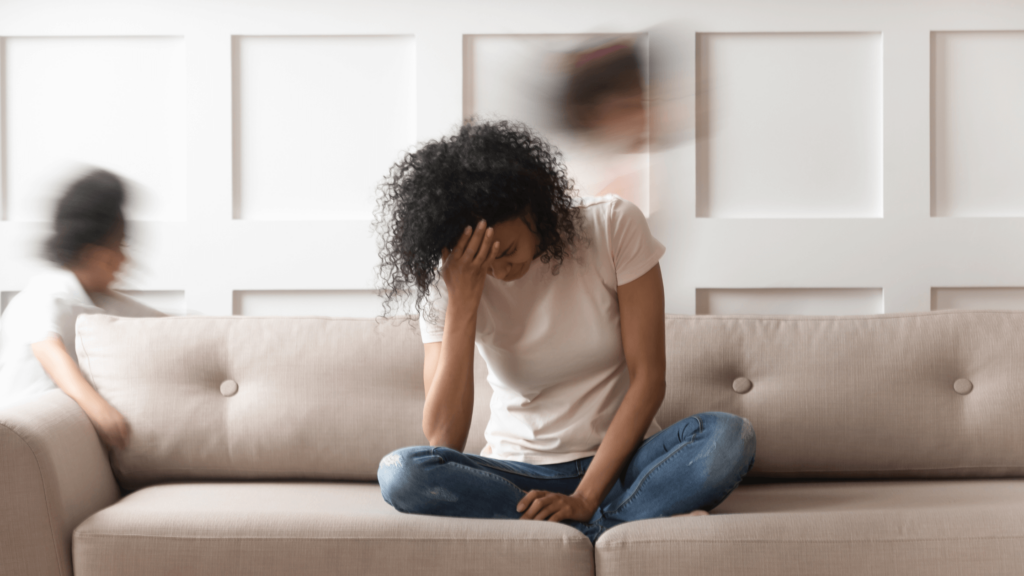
x=49, y=305
x=553, y=343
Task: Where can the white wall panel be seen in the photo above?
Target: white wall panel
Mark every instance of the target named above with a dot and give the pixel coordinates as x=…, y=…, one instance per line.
x=812, y=118
x=520, y=77
x=977, y=298
x=319, y=120
x=21, y=252
x=72, y=103
x=335, y=303
x=789, y=125
x=978, y=123
x=810, y=301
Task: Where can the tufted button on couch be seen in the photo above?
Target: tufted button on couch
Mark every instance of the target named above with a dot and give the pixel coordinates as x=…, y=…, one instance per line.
x=887, y=445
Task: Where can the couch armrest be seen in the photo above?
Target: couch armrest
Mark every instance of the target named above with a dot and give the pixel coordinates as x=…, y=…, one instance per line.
x=54, y=474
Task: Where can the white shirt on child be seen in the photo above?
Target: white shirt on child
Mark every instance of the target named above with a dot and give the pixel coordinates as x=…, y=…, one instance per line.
x=553, y=343
x=48, y=306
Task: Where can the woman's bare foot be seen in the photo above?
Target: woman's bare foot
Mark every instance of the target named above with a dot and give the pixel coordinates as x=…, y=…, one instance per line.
x=694, y=513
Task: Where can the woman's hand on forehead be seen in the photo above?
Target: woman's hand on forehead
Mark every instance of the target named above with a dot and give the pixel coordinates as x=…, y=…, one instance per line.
x=465, y=267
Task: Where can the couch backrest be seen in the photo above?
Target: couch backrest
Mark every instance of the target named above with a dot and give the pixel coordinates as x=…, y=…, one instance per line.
x=866, y=396
x=315, y=398
x=860, y=396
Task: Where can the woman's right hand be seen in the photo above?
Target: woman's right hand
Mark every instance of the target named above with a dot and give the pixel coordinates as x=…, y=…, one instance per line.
x=465, y=268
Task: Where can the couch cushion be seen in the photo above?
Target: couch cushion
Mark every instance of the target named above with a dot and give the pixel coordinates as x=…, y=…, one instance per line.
x=310, y=528
x=859, y=396
x=308, y=398
x=903, y=528
x=317, y=398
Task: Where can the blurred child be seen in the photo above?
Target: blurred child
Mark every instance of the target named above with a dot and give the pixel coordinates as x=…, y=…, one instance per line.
x=603, y=105
x=604, y=96
x=37, y=330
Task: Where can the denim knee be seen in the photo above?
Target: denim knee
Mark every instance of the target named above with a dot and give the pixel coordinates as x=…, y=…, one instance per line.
x=401, y=475
x=734, y=436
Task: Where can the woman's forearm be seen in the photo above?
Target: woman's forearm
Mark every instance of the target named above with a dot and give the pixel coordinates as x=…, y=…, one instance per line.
x=448, y=410
x=642, y=317
x=625, y=433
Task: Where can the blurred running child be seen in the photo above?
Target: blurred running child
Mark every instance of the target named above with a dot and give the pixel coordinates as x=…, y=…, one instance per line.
x=37, y=330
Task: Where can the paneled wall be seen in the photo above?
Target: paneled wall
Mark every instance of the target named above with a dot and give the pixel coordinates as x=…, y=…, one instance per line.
x=836, y=157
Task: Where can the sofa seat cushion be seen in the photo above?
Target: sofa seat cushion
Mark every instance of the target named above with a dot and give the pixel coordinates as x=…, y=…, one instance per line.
x=908, y=528
x=310, y=528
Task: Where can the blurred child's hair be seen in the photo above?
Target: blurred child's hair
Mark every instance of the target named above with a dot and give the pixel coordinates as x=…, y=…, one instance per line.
x=89, y=213
x=609, y=69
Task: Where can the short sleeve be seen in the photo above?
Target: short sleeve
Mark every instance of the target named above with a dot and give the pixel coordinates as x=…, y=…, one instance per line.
x=431, y=330
x=41, y=316
x=634, y=249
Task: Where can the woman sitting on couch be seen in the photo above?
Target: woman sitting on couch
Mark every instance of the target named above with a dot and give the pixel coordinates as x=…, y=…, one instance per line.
x=563, y=298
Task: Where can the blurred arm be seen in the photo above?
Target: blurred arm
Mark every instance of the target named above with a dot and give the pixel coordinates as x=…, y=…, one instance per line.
x=64, y=371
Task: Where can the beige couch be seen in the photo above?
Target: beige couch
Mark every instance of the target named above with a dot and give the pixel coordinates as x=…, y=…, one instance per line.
x=886, y=445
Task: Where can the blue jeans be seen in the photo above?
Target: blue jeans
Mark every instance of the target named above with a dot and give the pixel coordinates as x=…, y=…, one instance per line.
x=691, y=465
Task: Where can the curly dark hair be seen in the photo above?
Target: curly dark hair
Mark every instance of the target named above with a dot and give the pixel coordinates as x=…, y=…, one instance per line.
x=89, y=213
x=494, y=171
